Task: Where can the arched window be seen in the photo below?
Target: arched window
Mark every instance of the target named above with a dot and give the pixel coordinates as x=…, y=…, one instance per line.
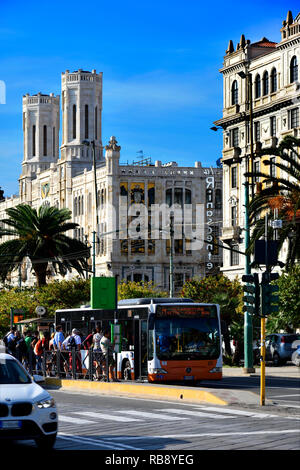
x=86, y=121
x=74, y=121
x=294, y=70
x=75, y=207
x=188, y=196
x=82, y=205
x=45, y=141
x=169, y=199
x=96, y=123
x=234, y=93
x=273, y=80
x=257, y=86
x=33, y=141
x=53, y=142
x=265, y=83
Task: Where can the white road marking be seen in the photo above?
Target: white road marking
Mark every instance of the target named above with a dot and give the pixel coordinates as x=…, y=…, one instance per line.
x=209, y=434
x=100, y=416
x=284, y=396
x=96, y=442
x=196, y=414
x=237, y=412
x=158, y=416
x=69, y=419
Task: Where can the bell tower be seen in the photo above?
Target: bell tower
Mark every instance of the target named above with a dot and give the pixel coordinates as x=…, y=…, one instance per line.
x=41, y=132
x=81, y=118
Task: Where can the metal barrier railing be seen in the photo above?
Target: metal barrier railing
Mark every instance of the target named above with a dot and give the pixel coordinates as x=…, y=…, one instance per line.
x=75, y=364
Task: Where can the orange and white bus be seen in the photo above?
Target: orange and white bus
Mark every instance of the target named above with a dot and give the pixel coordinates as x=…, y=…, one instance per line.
x=162, y=339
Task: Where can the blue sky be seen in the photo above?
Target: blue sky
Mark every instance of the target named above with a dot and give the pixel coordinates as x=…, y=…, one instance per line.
x=160, y=61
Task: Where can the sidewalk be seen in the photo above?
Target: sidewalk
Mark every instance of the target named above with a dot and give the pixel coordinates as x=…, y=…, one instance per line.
x=289, y=371
x=182, y=393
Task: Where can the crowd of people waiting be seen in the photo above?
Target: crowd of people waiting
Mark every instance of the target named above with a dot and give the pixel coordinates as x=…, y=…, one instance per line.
x=33, y=350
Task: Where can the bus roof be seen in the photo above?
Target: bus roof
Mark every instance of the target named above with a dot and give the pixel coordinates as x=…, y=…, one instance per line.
x=153, y=300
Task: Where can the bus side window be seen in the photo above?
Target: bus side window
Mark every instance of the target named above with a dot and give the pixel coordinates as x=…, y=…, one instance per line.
x=150, y=345
x=151, y=321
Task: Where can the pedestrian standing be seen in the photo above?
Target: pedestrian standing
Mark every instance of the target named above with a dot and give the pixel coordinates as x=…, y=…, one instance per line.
x=9, y=341
x=58, y=338
x=107, y=348
x=97, y=351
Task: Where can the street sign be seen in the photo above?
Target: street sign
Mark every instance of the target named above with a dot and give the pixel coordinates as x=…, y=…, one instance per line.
x=261, y=249
x=103, y=293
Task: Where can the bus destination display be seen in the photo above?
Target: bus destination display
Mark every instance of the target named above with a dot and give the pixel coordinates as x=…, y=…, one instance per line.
x=187, y=311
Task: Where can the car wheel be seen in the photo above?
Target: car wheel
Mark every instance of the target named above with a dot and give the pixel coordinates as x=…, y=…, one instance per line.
x=276, y=360
x=46, y=442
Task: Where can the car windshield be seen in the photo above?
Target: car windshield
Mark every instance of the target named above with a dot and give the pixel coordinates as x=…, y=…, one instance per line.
x=12, y=373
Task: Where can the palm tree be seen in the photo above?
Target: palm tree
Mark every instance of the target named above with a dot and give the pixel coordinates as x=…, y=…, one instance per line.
x=281, y=194
x=40, y=236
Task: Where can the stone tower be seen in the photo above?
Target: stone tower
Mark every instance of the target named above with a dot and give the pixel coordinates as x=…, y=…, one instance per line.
x=41, y=132
x=81, y=116
x=41, y=139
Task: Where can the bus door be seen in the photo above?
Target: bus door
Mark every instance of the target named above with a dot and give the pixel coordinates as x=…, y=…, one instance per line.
x=140, y=348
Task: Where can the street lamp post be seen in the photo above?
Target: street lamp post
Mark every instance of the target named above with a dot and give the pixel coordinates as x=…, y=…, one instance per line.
x=171, y=254
x=248, y=327
x=95, y=232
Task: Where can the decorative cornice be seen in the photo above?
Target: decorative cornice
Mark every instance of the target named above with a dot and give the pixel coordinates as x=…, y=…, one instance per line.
x=229, y=121
x=288, y=43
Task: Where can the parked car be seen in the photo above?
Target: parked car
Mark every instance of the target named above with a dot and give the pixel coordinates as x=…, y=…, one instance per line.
x=280, y=347
x=27, y=411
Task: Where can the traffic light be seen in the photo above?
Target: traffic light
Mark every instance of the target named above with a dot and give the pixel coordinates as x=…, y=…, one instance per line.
x=268, y=294
x=252, y=288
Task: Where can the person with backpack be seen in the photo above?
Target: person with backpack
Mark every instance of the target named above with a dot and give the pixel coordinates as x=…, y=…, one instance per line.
x=74, y=343
x=9, y=341
x=21, y=348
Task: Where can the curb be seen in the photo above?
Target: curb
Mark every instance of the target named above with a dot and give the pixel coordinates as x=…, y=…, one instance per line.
x=182, y=394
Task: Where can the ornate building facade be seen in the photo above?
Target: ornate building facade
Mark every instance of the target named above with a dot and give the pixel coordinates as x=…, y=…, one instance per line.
x=128, y=224
x=272, y=98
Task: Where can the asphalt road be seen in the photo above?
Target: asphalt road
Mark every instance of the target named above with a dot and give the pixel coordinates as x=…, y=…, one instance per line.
x=113, y=424
x=283, y=391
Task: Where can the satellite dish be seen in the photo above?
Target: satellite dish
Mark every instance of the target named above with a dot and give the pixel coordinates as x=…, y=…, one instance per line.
x=40, y=310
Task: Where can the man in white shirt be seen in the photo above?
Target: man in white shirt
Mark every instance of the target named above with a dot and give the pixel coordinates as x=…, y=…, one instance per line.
x=107, y=348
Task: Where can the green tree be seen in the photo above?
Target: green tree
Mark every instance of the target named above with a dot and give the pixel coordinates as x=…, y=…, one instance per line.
x=221, y=290
x=288, y=317
x=41, y=236
x=133, y=290
x=63, y=294
x=281, y=193
x=55, y=295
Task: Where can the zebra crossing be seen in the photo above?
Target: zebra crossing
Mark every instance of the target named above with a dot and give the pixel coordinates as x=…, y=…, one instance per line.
x=168, y=414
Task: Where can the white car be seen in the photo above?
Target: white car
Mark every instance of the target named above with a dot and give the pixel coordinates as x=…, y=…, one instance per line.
x=27, y=411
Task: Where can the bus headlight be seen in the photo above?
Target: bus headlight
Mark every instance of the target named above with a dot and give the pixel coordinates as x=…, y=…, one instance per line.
x=215, y=369
x=159, y=371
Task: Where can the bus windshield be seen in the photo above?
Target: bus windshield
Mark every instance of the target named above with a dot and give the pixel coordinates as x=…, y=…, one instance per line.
x=187, y=338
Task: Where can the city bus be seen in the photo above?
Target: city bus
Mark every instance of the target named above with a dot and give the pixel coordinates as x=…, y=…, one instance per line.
x=161, y=339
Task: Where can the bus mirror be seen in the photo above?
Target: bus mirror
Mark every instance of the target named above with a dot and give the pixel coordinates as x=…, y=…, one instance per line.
x=151, y=321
